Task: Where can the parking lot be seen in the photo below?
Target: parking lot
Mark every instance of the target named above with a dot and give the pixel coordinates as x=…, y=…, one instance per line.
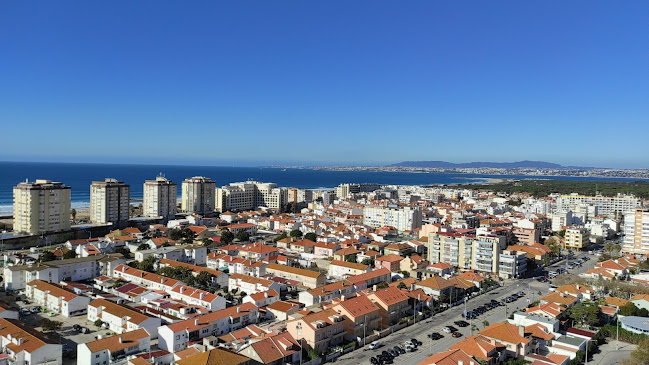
x=66, y=335
x=421, y=331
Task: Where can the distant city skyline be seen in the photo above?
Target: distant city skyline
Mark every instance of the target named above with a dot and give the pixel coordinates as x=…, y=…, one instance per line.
x=333, y=83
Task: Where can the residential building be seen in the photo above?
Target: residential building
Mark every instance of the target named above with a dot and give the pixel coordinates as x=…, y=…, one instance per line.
x=25, y=345
x=466, y=252
x=109, y=202
x=480, y=347
x=391, y=262
x=342, y=269
x=450, y=357
x=636, y=232
x=56, y=299
x=513, y=264
x=198, y=195
x=199, y=297
x=113, y=349
x=159, y=198
x=280, y=349
x=526, y=236
x=435, y=286
x=320, y=330
x=392, y=304
x=16, y=277
x=606, y=205
x=250, y=195
x=217, y=356
x=562, y=299
x=121, y=319
x=513, y=337
x=250, y=285
x=42, y=206
x=175, y=336
x=144, y=278
x=307, y=278
x=361, y=317
x=577, y=238
x=405, y=218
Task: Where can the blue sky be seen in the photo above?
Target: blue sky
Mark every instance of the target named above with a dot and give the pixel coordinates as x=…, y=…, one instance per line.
x=329, y=82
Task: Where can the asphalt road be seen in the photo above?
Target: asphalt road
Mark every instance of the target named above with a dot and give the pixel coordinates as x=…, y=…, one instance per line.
x=437, y=322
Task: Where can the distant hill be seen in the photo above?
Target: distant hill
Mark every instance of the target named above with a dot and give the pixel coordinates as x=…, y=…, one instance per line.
x=503, y=165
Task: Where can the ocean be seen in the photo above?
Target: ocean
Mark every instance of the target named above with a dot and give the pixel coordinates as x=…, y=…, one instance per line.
x=79, y=177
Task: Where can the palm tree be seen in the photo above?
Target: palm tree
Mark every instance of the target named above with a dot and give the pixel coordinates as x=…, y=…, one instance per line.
x=485, y=323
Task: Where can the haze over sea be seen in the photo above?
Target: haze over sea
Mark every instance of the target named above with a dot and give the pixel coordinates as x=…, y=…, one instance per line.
x=79, y=177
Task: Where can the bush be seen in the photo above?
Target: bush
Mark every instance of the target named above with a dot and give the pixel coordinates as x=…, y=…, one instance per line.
x=625, y=336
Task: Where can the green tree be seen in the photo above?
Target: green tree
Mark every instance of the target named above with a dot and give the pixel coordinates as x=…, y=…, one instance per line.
x=143, y=246
x=639, y=356
x=406, y=274
x=485, y=324
x=280, y=237
x=368, y=261
x=402, y=286
x=554, y=245
x=382, y=285
x=207, y=241
x=124, y=251
x=226, y=237
x=296, y=233
x=243, y=236
x=47, y=256
x=73, y=214
x=586, y=313
x=351, y=258
x=118, y=283
x=50, y=325
x=612, y=249
x=311, y=236
x=69, y=254
x=98, y=323
x=546, y=260
x=516, y=362
x=148, y=264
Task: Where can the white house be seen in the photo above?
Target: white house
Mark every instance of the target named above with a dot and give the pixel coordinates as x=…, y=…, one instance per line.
x=144, y=278
x=110, y=350
x=121, y=319
x=25, y=345
x=56, y=299
x=250, y=285
x=198, y=297
x=174, y=337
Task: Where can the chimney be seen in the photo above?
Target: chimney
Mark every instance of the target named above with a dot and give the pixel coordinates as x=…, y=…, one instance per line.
x=374, y=288
x=121, y=340
x=196, y=322
x=162, y=280
x=265, y=294
x=460, y=362
x=521, y=331
x=238, y=309
x=201, y=295
x=182, y=289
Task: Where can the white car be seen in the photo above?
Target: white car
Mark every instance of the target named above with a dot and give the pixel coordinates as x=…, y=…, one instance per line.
x=447, y=330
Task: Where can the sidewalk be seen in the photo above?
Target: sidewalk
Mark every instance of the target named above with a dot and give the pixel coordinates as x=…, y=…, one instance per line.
x=607, y=354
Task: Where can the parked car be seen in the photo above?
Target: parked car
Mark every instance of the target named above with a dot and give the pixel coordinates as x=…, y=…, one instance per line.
x=456, y=334
x=447, y=329
x=374, y=345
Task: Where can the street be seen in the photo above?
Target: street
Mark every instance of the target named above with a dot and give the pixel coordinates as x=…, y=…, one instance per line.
x=437, y=322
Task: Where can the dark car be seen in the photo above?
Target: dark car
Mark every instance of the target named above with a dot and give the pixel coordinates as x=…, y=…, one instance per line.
x=415, y=342
x=393, y=352
x=400, y=349
x=456, y=334
x=462, y=323
x=385, y=353
x=435, y=336
x=374, y=360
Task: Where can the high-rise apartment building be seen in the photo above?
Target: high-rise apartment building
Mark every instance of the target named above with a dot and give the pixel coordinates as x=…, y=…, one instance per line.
x=636, y=232
x=160, y=196
x=42, y=206
x=403, y=218
x=466, y=252
x=198, y=195
x=577, y=238
x=606, y=205
x=109, y=202
x=250, y=195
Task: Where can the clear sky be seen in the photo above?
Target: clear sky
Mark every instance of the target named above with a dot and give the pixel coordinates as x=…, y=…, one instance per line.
x=325, y=82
